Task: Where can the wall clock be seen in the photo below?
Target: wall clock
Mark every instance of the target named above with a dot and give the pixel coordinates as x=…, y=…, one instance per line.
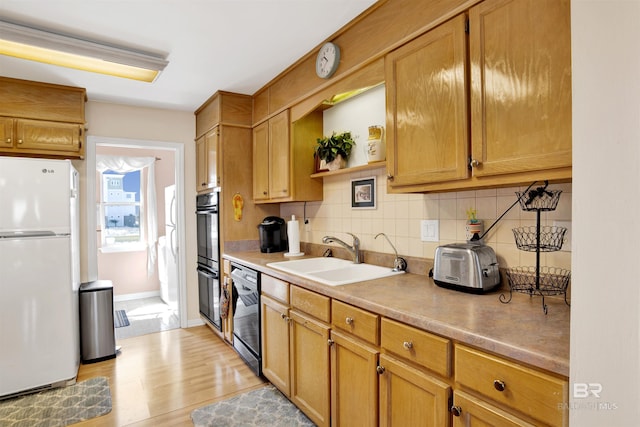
x=327, y=60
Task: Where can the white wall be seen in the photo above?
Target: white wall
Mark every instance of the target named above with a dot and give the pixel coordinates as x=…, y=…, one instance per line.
x=606, y=186
x=148, y=124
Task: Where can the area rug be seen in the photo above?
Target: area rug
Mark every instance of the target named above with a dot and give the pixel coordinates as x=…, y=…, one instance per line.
x=263, y=407
x=58, y=407
x=120, y=319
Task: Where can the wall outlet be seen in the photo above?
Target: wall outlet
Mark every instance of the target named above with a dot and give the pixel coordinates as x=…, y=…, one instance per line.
x=430, y=230
x=566, y=245
x=307, y=225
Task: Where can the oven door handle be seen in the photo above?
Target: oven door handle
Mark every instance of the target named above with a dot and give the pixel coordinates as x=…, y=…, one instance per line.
x=213, y=210
x=208, y=273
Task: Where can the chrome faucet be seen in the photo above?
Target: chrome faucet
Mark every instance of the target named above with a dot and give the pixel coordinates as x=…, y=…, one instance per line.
x=353, y=250
x=399, y=264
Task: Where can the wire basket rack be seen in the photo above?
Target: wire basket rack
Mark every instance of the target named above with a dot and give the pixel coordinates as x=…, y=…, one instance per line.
x=538, y=280
x=547, y=281
x=539, y=200
x=545, y=239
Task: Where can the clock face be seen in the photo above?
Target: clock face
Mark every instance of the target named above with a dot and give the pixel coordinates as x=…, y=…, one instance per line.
x=327, y=60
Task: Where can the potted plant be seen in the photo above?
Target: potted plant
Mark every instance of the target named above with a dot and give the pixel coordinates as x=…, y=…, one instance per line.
x=334, y=150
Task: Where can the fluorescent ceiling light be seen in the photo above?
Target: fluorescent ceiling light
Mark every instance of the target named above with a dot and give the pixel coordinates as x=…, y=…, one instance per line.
x=40, y=45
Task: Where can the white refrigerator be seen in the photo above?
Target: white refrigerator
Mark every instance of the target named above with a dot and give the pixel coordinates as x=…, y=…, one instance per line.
x=168, y=251
x=39, y=274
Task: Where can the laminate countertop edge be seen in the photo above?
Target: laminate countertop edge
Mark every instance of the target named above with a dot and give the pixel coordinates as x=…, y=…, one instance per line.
x=518, y=330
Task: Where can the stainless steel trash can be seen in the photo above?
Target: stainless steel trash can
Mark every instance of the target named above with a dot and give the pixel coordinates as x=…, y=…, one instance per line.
x=97, y=333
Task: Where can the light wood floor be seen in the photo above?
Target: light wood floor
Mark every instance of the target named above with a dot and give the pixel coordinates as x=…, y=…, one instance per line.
x=158, y=379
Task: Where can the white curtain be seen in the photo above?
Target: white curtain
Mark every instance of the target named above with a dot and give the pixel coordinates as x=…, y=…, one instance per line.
x=124, y=164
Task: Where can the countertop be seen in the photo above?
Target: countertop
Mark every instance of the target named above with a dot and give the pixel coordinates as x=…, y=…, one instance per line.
x=518, y=330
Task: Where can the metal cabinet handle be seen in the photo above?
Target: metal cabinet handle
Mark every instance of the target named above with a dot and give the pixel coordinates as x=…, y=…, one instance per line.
x=8, y=141
x=456, y=411
x=330, y=342
x=407, y=345
x=380, y=369
x=349, y=320
x=20, y=141
x=390, y=177
x=474, y=163
x=499, y=385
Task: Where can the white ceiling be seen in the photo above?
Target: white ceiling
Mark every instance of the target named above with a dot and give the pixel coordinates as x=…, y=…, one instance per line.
x=232, y=45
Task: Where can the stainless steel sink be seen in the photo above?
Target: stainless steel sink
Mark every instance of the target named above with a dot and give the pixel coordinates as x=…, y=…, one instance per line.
x=333, y=271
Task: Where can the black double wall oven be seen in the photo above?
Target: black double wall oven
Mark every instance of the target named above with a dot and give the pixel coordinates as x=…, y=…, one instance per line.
x=208, y=257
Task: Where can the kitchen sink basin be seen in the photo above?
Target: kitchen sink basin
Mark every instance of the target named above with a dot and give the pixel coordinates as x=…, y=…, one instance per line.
x=333, y=271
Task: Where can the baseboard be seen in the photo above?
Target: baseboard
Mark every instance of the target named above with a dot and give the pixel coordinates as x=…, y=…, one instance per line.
x=139, y=295
x=194, y=322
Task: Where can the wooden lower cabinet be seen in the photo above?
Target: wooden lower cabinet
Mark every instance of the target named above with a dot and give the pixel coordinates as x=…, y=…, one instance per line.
x=354, y=381
x=275, y=343
x=514, y=387
x=309, y=355
x=346, y=366
x=469, y=411
x=295, y=347
x=410, y=397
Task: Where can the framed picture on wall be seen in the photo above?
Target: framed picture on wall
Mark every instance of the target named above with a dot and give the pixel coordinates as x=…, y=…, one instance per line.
x=363, y=193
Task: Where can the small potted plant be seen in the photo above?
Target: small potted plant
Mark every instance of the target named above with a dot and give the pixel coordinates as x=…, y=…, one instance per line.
x=333, y=151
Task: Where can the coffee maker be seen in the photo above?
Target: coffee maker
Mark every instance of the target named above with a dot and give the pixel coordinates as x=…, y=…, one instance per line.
x=273, y=234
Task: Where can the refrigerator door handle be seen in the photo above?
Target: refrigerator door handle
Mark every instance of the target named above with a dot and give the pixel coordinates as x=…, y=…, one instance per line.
x=26, y=234
x=172, y=212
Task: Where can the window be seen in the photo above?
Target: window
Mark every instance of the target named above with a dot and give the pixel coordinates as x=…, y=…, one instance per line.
x=126, y=231
x=120, y=210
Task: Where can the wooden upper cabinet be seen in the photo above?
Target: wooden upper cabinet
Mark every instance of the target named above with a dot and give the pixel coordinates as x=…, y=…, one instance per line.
x=261, y=162
x=427, y=115
x=223, y=108
x=271, y=154
x=41, y=120
x=6, y=132
x=279, y=156
x=48, y=136
x=207, y=161
x=520, y=52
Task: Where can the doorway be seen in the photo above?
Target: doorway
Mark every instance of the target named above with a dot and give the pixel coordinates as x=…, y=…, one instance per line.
x=141, y=291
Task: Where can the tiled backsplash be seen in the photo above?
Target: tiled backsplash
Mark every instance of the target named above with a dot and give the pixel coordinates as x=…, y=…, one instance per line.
x=399, y=216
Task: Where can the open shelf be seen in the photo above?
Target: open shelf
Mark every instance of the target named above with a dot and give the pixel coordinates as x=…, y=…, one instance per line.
x=368, y=166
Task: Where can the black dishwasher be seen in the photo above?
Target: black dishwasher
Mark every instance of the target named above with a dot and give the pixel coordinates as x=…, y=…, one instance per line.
x=246, y=315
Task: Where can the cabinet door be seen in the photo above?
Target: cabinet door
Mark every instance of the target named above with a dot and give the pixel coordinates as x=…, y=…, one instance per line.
x=275, y=343
x=471, y=412
x=310, y=374
x=354, y=382
x=427, y=115
x=211, y=141
x=6, y=133
x=261, y=162
x=279, y=156
x=409, y=397
x=520, y=52
x=37, y=135
x=201, y=164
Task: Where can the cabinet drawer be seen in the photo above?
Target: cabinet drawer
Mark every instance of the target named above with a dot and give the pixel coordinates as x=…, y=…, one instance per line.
x=534, y=393
x=318, y=306
x=275, y=288
x=356, y=321
x=428, y=350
